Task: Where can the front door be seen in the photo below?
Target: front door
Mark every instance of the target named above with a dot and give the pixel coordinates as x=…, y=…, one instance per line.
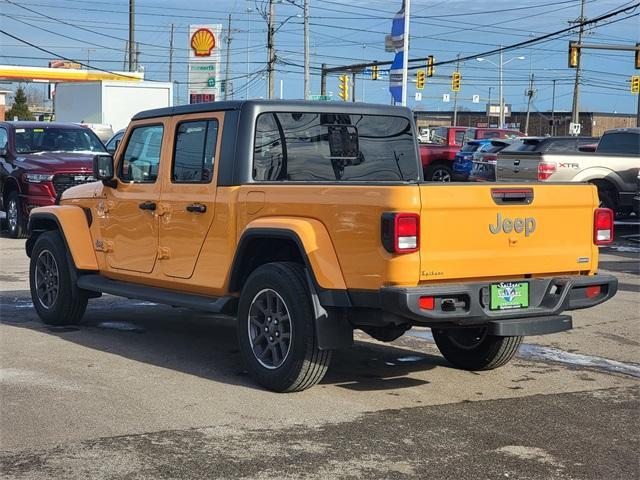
x=131, y=211
x=189, y=192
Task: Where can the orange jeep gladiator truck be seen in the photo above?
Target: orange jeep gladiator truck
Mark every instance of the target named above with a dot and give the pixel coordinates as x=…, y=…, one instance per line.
x=305, y=221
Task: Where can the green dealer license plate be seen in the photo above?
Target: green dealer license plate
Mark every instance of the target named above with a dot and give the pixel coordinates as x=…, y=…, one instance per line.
x=509, y=295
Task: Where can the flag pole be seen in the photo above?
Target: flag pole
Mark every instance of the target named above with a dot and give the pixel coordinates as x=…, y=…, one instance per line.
x=405, y=52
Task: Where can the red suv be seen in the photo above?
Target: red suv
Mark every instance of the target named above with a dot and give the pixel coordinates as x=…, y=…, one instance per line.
x=38, y=161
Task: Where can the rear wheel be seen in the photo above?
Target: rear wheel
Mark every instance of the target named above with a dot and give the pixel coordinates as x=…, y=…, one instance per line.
x=474, y=348
x=16, y=224
x=276, y=329
x=608, y=199
x=438, y=173
x=55, y=296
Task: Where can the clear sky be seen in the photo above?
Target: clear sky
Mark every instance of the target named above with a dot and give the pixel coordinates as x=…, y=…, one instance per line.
x=344, y=32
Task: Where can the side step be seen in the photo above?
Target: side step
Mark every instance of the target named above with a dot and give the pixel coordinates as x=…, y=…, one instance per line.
x=98, y=283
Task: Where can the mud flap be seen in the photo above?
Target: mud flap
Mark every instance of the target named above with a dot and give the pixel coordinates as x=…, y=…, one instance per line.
x=333, y=331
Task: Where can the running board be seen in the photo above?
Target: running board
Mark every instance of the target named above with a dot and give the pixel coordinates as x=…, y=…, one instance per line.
x=98, y=283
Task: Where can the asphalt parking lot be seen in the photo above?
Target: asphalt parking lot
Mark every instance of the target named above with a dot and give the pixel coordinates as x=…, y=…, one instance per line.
x=142, y=391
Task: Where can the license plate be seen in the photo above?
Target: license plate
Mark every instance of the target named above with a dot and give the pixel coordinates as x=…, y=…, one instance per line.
x=509, y=295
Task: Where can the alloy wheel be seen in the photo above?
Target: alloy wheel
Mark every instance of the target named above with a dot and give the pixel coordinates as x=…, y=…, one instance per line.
x=12, y=215
x=47, y=279
x=441, y=175
x=269, y=329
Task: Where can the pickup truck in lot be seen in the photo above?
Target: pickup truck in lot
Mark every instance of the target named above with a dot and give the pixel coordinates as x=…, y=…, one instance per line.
x=307, y=220
x=437, y=157
x=613, y=167
x=38, y=161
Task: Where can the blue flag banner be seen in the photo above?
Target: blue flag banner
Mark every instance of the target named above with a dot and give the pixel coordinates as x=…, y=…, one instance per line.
x=395, y=74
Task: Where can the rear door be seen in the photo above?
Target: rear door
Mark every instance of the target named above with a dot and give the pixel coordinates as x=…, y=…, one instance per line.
x=488, y=230
x=189, y=194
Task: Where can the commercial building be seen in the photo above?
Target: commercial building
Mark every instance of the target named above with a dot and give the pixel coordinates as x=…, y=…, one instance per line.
x=540, y=123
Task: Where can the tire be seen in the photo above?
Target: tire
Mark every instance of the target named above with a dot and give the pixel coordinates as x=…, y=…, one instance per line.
x=386, y=334
x=55, y=296
x=608, y=199
x=438, y=173
x=285, y=357
x=474, y=349
x=15, y=221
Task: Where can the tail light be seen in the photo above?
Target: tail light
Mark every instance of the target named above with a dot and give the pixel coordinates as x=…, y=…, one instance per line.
x=490, y=158
x=603, y=226
x=401, y=232
x=545, y=170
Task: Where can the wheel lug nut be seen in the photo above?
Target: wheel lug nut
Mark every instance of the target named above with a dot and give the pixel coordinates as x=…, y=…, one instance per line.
x=266, y=329
x=277, y=334
x=271, y=339
x=276, y=322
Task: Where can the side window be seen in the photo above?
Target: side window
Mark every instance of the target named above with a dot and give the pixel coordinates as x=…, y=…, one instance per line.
x=3, y=138
x=561, y=146
x=194, y=151
x=460, y=136
x=141, y=158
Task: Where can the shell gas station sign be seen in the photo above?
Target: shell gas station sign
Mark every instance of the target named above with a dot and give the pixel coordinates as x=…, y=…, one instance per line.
x=204, y=63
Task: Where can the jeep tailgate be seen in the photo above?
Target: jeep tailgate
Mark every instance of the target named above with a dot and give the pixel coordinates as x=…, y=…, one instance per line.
x=483, y=231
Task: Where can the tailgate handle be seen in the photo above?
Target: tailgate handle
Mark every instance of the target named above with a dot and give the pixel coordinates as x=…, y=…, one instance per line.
x=516, y=162
x=512, y=196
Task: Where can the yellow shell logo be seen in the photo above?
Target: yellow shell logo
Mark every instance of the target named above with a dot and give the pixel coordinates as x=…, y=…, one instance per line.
x=202, y=42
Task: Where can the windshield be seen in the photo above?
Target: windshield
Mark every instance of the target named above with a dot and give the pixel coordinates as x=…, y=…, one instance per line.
x=56, y=139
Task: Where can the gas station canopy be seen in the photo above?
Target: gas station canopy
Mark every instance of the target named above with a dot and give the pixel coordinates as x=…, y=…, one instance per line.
x=44, y=74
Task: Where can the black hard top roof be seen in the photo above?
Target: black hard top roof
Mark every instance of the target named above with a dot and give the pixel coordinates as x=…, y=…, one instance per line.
x=35, y=124
x=278, y=105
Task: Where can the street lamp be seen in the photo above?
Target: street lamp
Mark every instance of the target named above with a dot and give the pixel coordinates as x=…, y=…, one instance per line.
x=501, y=94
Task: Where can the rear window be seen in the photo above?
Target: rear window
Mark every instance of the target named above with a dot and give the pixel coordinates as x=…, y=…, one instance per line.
x=567, y=145
x=439, y=136
x=327, y=147
x=529, y=145
x=470, y=147
x=620, y=142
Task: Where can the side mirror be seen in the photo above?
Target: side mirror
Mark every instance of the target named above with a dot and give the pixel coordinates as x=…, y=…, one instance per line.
x=103, y=170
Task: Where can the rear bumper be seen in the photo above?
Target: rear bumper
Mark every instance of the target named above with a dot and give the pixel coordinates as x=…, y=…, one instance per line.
x=459, y=305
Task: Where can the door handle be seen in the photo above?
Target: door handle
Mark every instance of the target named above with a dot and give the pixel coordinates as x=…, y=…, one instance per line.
x=516, y=162
x=147, y=206
x=197, y=208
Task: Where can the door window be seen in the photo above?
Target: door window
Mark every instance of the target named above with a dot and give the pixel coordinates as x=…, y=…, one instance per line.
x=194, y=151
x=141, y=158
x=3, y=138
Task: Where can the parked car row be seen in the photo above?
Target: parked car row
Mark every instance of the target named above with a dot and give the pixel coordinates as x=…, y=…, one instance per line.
x=611, y=162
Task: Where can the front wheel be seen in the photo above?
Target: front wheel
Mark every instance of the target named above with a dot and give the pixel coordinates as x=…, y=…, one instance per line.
x=55, y=296
x=276, y=329
x=16, y=223
x=438, y=173
x=474, y=348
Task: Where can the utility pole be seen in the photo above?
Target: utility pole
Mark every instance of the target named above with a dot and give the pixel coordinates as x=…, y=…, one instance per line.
x=575, y=111
x=553, y=110
x=271, y=49
x=307, y=82
x=171, y=55
x=132, y=40
x=353, y=86
x=323, y=80
x=125, y=60
x=226, y=70
x=137, y=61
x=502, y=116
x=455, y=98
x=489, y=109
x=530, y=95
x=246, y=87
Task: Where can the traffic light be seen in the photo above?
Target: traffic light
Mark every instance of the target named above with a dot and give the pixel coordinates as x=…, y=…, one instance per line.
x=574, y=54
x=374, y=72
x=344, y=87
x=455, y=81
x=635, y=84
x=420, y=79
x=637, y=56
x=430, y=67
